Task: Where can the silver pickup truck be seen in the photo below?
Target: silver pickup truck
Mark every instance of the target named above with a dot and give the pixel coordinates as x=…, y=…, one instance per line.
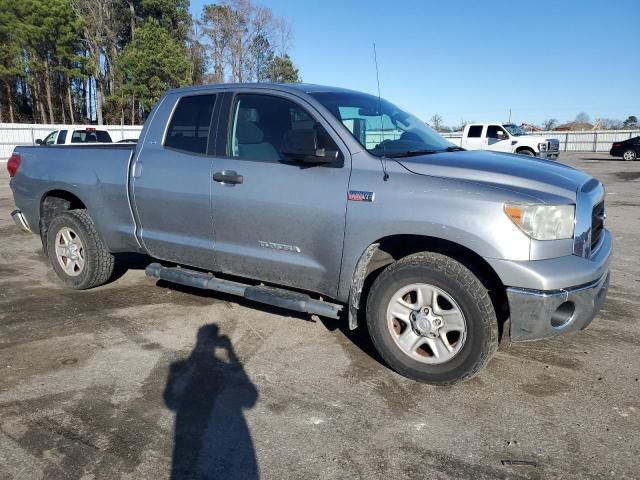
x=335, y=203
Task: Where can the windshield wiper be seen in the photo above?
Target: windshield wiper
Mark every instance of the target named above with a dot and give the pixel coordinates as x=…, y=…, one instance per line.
x=454, y=149
x=412, y=153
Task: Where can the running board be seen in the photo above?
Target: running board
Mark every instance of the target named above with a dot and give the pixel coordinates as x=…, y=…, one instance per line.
x=277, y=297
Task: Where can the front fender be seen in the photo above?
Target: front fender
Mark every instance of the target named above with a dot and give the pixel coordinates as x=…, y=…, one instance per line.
x=465, y=213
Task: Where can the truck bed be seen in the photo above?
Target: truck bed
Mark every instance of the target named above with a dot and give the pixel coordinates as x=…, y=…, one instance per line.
x=97, y=175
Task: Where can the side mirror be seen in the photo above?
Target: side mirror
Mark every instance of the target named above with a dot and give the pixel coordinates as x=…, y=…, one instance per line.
x=302, y=145
x=39, y=141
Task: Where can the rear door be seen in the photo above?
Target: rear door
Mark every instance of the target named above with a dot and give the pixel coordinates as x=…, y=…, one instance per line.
x=172, y=180
x=474, y=139
x=276, y=220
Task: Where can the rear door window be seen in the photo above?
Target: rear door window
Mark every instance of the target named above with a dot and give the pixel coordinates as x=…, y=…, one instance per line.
x=62, y=137
x=475, y=131
x=191, y=124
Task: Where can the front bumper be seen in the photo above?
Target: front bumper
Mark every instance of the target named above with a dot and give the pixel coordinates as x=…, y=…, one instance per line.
x=557, y=295
x=549, y=155
x=542, y=314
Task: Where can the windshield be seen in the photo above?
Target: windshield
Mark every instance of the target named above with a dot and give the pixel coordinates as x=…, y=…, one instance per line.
x=381, y=127
x=514, y=130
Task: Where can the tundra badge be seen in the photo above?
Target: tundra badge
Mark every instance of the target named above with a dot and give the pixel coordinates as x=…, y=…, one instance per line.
x=360, y=196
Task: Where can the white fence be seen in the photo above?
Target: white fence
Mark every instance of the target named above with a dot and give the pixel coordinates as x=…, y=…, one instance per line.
x=13, y=134
x=584, y=141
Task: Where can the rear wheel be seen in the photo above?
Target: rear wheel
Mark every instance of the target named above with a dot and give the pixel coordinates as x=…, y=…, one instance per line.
x=77, y=253
x=629, y=155
x=431, y=319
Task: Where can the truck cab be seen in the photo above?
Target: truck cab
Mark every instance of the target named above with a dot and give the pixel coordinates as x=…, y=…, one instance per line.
x=508, y=137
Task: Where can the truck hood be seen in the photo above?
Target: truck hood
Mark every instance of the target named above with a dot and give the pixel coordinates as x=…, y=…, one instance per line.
x=533, y=176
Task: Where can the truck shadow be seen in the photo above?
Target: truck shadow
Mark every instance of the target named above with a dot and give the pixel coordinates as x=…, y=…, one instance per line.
x=209, y=391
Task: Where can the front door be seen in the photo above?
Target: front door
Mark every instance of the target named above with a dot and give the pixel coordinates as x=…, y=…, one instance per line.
x=498, y=139
x=171, y=182
x=277, y=220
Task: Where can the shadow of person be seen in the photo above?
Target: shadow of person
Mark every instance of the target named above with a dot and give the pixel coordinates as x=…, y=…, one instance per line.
x=209, y=391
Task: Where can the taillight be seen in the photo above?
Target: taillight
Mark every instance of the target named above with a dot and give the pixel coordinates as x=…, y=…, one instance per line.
x=13, y=164
x=616, y=145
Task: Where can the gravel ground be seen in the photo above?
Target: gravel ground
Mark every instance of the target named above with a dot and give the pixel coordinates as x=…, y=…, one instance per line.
x=133, y=380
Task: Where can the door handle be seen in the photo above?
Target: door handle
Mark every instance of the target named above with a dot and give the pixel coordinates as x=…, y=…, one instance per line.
x=137, y=169
x=228, y=176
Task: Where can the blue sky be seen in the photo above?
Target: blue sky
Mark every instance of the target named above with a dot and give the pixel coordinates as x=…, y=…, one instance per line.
x=474, y=60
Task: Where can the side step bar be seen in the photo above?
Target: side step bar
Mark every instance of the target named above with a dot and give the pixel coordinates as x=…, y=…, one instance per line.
x=277, y=297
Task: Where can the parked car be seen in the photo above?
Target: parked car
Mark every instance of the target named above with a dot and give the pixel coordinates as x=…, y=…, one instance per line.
x=507, y=137
x=288, y=194
x=70, y=137
x=627, y=149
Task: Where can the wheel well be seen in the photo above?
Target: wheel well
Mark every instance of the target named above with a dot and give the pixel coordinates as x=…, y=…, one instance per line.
x=395, y=247
x=53, y=203
x=520, y=149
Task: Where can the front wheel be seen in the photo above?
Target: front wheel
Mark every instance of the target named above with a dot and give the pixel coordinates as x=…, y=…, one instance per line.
x=77, y=253
x=629, y=155
x=431, y=319
x=527, y=152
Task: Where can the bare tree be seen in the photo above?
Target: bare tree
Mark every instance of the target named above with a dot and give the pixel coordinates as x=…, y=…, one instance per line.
x=436, y=122
x=549, y=124
x=582, y=117
x=609, y=123
x=242, y=36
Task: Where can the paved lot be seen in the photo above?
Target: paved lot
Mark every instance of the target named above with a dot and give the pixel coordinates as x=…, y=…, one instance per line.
x=131, y=380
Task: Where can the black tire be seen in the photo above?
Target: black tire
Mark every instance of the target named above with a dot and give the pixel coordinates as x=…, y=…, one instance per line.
x=471, y=297
x=629, y=155
x=98, y=261
x=527, y=152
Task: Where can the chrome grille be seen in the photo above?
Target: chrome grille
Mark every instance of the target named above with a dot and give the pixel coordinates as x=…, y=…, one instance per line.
x=553, y=146
x=597, y=224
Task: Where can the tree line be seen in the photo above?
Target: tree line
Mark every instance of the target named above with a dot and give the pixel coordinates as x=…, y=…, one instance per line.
x=109, y=61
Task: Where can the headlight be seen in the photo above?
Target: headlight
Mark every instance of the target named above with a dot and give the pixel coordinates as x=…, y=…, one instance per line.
x=542, y=146
x=543, y=222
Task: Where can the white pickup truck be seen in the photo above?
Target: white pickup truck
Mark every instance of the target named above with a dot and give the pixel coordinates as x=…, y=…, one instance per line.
x=70, y=137
x=506, y=137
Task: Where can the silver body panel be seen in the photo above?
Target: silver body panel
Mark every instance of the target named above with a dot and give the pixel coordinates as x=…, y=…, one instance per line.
x=163, y=202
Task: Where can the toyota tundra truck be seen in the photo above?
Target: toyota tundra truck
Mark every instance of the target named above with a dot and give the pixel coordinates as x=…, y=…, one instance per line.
x=507, y=137
x=290, y=196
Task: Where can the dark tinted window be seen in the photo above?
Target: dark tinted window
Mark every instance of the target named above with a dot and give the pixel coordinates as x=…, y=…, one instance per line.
x=494, y=130
x=90, y=135
x=62, y=137
x=475, y=131
x=260, y=123
x=190, y=124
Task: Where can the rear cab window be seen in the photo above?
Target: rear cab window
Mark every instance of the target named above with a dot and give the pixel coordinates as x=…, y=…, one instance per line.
x=190, y=124
x=90, y=135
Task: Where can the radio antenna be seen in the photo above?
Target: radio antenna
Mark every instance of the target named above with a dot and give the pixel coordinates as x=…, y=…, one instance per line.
x=383, y=159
